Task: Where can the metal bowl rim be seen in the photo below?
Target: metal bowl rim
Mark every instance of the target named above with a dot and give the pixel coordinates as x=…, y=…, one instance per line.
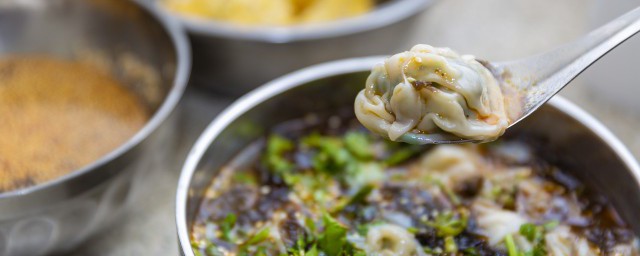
x=183, y=65
x=315, y=72
x=383, y=16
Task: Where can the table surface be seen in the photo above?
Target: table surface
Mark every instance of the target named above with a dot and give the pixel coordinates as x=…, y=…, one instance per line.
x=499, y=29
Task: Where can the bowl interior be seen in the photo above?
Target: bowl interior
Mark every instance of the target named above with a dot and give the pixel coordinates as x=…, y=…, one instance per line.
x=115, y=36
x=564, y=135
x=121, y=38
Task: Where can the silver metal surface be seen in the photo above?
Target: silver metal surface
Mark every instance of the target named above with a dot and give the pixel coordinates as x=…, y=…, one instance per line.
x=568, y=137
x=540, y=77
x=145, y=51
x=233, y=60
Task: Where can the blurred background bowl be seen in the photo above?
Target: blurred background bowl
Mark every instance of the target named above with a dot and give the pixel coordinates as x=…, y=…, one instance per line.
x=234, y=59
x=569, y=137
x=142, y=50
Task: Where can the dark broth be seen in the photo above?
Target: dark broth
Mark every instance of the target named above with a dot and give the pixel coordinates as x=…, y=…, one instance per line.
x=288, y=193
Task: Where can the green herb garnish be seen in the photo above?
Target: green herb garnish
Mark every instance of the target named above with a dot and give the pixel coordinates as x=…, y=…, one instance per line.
x=534, y=234
x=530, y=231
x=277, y=146
x=512, y=249
x=357, y=198
x=334, y=237
x=259, y=237
x=359, y=145
x=401, y=155
x=227, y=225
x=470, y=252
x=448, y=224
x=450, y=245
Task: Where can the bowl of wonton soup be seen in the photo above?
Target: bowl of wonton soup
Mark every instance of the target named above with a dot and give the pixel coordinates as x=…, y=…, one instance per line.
x=560, y=135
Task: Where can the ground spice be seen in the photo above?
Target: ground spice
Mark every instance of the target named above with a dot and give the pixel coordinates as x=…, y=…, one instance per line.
x=57, y=116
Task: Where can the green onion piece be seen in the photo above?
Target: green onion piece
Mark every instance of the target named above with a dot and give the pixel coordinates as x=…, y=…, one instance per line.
x=452, y=195
x=259, y=237
x=450, y=245
x=428, y=250
x=512, y=249
x=413, y=230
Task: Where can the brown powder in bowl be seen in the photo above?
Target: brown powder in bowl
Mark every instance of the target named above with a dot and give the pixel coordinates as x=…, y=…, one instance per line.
x=57, y=116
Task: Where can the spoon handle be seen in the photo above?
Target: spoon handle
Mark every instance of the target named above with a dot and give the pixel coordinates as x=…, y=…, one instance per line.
x=545, y=74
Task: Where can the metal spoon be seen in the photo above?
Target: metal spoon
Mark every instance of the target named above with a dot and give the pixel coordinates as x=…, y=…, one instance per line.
x=540, y=77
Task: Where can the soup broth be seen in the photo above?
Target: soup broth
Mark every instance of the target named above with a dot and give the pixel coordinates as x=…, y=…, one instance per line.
x=335, y=189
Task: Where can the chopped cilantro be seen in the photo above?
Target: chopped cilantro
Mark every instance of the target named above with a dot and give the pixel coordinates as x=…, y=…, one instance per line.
x=470, y=252
x=310, y=224
x=274, y=157
x=332, y=157
x=334, y=237
x=530, y=231
x=357, y=198
x=227, y=225
x=313, y=251
x=359, y=145
x=535, y=235
x=448, y=224
x=401, y=155
x=259, y=237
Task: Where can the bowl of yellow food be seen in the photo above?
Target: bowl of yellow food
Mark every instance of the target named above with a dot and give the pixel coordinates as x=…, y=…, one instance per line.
x=283, y=173
x=240, y=44
x=87, y=89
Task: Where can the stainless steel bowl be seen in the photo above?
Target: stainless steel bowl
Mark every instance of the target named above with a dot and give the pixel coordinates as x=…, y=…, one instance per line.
x=570, y=137
x=233, y=60
x=145, y=52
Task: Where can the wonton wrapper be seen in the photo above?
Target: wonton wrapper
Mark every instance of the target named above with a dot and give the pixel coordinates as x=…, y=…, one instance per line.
x=432, y=90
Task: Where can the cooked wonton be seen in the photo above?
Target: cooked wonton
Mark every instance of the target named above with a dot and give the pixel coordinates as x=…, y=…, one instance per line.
x=433, y=91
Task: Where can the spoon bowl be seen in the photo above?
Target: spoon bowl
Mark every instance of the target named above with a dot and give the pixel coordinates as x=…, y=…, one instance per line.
x=538, y=78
